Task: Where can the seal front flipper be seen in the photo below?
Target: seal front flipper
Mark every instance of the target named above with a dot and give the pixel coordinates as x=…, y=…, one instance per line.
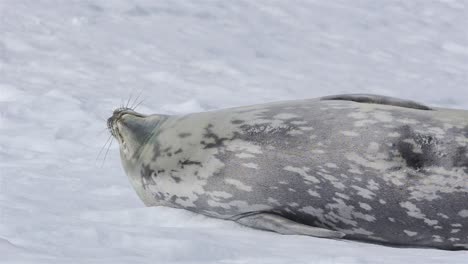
x=279, y=224
x=377, y=99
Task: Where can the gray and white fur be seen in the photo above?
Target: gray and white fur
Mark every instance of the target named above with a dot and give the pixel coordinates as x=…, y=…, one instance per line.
x=362, y=167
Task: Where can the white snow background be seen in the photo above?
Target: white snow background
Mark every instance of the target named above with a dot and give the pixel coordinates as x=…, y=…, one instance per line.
x=65, y=65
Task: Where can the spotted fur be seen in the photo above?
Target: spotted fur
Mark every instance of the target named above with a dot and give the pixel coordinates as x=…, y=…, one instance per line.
x=374, y=169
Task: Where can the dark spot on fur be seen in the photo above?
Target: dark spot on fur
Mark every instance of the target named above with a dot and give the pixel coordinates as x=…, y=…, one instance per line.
x=189, y=162
x=178, y=151
x=147, y=175
x=184, y=135
x=413, y=160
x=427, y=144
x=461, y=159
x=218, y=141
x=156, y=150
x=173, y=198
x=237, y=122
x=159, y=196
x=465, y=131
x=167, y=149
x=176, y=179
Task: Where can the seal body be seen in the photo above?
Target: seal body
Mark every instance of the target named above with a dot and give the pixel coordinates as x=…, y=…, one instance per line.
x=366, y=167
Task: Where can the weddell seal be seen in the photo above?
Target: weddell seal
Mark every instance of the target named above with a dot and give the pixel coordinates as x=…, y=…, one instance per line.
x=361, y=167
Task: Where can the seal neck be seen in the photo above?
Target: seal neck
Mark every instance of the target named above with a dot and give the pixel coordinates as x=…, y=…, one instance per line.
x=138, y=129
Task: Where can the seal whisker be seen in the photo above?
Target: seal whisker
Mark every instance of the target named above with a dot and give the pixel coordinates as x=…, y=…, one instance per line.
x=133, y=106
x=107, y=151
x=103, y=130
x=103, y=147
x=129, y=99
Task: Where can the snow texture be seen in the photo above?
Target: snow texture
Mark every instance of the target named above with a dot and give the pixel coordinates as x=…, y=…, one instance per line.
x=65, y=65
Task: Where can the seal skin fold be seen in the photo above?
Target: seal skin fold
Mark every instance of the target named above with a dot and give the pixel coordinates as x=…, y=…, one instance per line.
x=365, y=167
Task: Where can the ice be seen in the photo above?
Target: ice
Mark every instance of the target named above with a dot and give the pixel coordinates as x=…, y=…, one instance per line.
x=65, y=65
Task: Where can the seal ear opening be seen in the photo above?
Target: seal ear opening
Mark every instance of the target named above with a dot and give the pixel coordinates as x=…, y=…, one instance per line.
x=377, y=99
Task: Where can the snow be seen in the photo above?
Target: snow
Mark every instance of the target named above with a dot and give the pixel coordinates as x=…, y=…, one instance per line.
x=65, y=65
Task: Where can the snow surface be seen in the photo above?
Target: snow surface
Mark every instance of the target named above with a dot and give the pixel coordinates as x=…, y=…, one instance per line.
x=65, y=65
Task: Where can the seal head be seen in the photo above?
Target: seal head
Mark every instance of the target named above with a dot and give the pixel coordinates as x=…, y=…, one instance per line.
x=131, y=129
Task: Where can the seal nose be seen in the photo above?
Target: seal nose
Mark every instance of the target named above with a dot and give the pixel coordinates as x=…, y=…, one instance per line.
x=110, y=122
